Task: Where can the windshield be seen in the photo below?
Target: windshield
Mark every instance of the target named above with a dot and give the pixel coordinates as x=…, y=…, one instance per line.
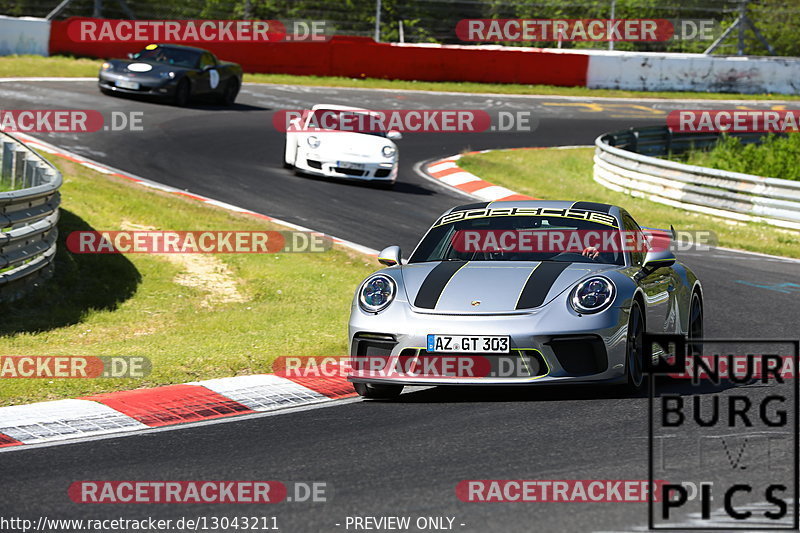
x=522, y=238
x=345, y=120
x=171, y=56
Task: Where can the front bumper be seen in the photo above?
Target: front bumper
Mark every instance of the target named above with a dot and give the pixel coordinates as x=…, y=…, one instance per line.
x=373, y=171
x=163, y=88
x=587, y=349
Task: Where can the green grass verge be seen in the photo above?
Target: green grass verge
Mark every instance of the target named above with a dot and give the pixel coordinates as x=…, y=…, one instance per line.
x=70, y=67
x=173, y=313
x=776, y=157
x=54, y=66
x=566, y=174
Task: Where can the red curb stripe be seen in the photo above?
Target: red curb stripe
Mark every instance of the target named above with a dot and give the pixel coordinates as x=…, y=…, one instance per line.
x=442, y=173
x=173, y=404
x=472, y=186
x=334, y=387
x=6, y=441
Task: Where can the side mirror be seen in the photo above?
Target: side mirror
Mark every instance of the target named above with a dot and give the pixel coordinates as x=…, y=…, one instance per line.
x=658, y=259
x=130, y=55
x=389, y=256
x=394, y=135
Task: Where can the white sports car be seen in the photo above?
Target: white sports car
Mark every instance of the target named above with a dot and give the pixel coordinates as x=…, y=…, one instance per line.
x=338, y=142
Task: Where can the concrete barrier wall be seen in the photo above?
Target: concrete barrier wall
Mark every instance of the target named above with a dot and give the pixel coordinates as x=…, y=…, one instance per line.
x=24, y=35
x=693, y=72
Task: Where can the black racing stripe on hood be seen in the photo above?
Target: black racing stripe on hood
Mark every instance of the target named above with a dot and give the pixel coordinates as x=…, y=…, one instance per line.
x=539, y=283
x=467, y=207
x=592, y=206
x=431, y=289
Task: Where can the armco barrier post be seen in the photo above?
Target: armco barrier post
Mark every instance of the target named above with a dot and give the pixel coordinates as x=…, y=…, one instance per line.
x=17, y=178
x=30, y=172
x=7, y=163
x=30, y=215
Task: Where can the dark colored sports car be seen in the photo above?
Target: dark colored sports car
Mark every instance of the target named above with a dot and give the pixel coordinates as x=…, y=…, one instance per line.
x=173, y=72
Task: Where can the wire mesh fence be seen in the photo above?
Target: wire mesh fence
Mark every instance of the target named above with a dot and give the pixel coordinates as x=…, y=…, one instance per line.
x=435, y=21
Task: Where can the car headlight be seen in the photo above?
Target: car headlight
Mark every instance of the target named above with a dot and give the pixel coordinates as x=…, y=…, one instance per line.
x=388, y=151
x=167, y=75
x=593, y=295
x=377, y=293
x=313, y=142
x=106, y=66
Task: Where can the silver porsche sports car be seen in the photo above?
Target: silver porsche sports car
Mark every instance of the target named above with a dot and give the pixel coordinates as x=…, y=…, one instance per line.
x=485, y=299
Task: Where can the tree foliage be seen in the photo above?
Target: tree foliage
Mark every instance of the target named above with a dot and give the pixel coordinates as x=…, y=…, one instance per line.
x=435, y=20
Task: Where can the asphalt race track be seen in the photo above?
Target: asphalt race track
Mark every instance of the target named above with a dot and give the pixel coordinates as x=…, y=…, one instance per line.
x=377, y=458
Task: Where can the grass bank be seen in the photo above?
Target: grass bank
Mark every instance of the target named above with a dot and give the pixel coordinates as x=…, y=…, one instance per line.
x=194, y=316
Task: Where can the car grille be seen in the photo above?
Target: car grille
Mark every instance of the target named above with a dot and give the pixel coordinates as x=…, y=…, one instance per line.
x=314, y=164
x=580, y=355
x=382, y=172
x=349, y=171
x=372, y=344
x=515, y=364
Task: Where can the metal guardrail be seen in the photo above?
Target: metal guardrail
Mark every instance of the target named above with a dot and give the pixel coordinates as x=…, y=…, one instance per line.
x=623, y=161
x=29, y=200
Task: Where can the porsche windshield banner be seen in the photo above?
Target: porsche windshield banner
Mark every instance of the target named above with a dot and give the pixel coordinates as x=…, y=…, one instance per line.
x=576, y=214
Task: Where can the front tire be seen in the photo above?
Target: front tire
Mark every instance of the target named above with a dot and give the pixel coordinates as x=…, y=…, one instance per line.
x=182, y=93
x=286, y=163
x=634, y=348
x=230, y=92
x=378, y=392
x=297, y=171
